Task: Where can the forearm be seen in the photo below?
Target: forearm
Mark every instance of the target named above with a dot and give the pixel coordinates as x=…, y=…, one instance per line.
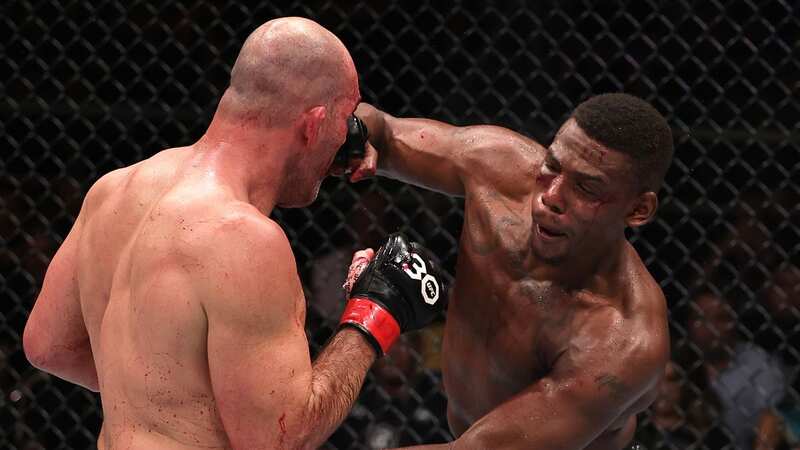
x=338, y=374
x=535, y=420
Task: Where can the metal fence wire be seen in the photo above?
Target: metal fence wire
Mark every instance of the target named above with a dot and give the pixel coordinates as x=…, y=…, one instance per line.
x=92, y=86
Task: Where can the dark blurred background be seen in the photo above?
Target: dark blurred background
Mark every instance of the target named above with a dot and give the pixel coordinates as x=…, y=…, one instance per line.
x=92, y=86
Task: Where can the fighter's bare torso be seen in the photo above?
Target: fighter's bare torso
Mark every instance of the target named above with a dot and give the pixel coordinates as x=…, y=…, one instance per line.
x=505, y=328
x=146, y=323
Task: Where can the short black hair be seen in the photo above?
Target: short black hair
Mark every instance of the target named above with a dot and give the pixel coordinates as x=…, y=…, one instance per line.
x=632, y=126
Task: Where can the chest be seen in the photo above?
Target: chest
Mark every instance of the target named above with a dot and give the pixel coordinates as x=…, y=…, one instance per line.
x=501, y=334
x=507, y=331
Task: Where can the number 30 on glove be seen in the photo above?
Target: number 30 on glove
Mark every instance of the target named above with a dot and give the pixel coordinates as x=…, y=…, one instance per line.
x=400, y=290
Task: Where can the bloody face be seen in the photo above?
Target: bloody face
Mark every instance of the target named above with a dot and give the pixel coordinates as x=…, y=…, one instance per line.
x=584, y=192
x=315, y=162
x=333, y=134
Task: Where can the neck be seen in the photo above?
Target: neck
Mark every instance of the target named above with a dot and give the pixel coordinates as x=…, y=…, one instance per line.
x=252, y=162
x=584, y=270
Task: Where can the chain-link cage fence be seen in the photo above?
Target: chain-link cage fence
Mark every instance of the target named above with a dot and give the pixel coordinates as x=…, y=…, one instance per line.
x=93, y=86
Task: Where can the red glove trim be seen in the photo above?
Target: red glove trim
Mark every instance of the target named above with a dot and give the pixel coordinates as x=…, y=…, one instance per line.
x=373, y=319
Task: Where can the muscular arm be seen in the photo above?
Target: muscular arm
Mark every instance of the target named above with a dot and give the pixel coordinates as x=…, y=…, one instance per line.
x=593, y=384
x=443, y=157
x=268, y=393
x=338, y=373
x=55, y=337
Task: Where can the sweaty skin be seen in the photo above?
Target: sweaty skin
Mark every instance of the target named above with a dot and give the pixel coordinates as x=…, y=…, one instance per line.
x=555, y=339
x=177, y=297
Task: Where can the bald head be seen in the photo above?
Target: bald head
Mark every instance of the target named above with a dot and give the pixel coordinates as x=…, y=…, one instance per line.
x=286, y=66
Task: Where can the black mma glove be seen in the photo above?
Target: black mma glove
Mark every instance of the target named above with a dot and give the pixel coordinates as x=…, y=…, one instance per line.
x=354, y=145
x=400, y=290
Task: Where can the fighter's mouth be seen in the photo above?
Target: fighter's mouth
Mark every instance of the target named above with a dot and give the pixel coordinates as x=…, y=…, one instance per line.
x=549, y=232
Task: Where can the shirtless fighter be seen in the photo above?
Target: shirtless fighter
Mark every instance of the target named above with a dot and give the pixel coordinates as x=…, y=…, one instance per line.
x=556, y=334
x=177, y=297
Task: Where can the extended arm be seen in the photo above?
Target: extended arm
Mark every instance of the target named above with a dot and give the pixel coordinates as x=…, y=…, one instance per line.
x=591, y=387
x=55, y=337
x=439, y=156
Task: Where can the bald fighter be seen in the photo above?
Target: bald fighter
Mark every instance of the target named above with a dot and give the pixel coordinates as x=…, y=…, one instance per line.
x=177, y=298
x=556, y=334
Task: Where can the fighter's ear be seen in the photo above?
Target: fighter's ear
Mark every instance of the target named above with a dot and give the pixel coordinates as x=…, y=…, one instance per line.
x=643, y=209
x=312, y=124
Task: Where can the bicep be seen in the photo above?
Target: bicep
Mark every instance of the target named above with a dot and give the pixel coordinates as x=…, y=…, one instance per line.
x=422, y=152
x=259, y=379
x=257, y=351
x=450, y=159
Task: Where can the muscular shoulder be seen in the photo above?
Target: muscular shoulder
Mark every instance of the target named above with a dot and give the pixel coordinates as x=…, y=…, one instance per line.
x=643, y=303
x=118, y=180
x=637, y=333
x=237, y=233
x=627, y=350
x=105, y=186
x=499, y=157
x=242, y=266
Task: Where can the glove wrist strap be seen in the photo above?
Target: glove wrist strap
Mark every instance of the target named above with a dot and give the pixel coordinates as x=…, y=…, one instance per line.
x=380, y=327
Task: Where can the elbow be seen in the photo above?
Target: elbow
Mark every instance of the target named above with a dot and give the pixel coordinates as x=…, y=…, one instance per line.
x=41, y=351
x=72, y=362
x=37, y=351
